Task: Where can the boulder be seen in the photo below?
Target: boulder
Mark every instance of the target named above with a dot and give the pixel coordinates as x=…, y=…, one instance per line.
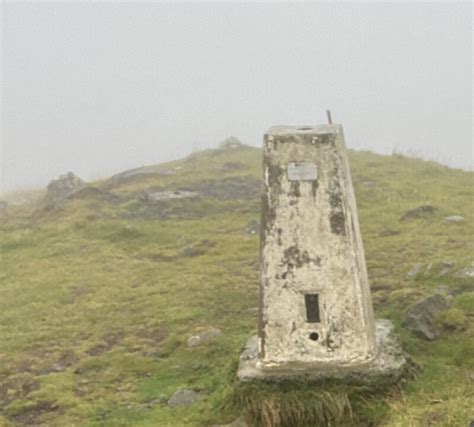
x=420, y=319
x=455, y=219
x=184, y=398
x=419, y=212
x=60, y=189
x=203, y=337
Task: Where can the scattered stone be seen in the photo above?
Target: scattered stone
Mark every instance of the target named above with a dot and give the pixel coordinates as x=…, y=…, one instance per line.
x=420, y=319
x=415, y=270
x=465, y=272
x=60, y=189
x=203, y=337
x=389, y=233
x=184, y=398
x=230, y=143
x=156, y=196
x=471, y=376
x=455, y=219
x=253, y=227
x=419, y=212
x=445, y=267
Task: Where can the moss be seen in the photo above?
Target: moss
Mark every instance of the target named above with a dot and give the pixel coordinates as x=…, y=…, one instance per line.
x=452, y=320
x=465, y=302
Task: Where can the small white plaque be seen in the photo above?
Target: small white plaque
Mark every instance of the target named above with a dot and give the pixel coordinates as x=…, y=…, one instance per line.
x=302, y=171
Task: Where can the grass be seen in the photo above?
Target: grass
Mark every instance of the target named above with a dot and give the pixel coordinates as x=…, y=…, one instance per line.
x=97, y=299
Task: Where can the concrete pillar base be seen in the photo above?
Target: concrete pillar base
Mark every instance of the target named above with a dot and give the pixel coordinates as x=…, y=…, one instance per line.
x=388, y=365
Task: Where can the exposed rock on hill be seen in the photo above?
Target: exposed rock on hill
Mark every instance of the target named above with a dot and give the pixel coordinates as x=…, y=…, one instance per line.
x=156, y=196
x=454, y=219
x=420, y=318
x=63, y=187
x=230, y=143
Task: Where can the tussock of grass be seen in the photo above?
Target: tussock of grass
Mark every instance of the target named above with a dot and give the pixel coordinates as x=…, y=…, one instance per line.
x=277, y=407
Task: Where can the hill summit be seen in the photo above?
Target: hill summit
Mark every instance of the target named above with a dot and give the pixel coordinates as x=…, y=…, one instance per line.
x=101, y=296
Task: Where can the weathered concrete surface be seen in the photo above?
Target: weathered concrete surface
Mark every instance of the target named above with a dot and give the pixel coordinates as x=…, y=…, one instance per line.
x=388, y=365
x=312, y=258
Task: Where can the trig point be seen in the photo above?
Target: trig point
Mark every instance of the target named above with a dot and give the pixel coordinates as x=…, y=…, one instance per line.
x=315, y=312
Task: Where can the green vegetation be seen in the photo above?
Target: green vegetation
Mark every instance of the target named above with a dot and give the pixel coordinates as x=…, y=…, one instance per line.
x=98, y=297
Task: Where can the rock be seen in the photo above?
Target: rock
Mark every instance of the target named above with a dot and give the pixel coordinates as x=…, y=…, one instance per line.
x=389, y=233
x=465, y=272
x=455, y=219
x=415, y=270
x=471, y=376
x=445, y=267
x=253, y=227
x=230, y=143
x=420, y=318
x=60, y=189
x=156, y=196
x=419, y=212
x=184, y=398
x=203, y=337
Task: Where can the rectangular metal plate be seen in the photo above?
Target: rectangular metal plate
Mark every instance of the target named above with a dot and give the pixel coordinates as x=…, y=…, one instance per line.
x=302, y=171
x=312, y=308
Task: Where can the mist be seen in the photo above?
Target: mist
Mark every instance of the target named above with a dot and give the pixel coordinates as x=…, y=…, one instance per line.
x=97, y=88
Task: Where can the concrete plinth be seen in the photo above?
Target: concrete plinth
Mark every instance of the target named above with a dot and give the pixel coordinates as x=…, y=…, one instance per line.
x=388, y=364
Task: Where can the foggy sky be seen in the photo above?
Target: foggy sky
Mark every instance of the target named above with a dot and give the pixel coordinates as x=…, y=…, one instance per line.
x=97, y=88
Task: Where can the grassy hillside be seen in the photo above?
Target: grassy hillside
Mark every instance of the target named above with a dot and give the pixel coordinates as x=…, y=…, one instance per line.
x=99, y=294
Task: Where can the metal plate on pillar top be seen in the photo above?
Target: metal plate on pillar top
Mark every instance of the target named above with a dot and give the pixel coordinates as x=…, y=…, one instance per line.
x=302, y=171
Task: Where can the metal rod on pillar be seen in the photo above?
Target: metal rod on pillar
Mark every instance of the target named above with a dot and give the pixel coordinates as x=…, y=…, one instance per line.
x=328, y=113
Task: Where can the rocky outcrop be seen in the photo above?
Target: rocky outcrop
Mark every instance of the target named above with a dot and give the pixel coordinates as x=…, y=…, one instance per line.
x=60, y=189
x=230, y=143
